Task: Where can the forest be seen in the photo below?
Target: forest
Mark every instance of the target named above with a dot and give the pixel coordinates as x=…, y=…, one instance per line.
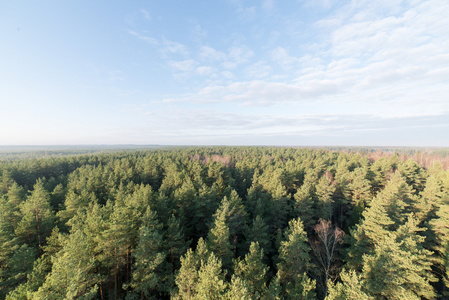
x=225, y=223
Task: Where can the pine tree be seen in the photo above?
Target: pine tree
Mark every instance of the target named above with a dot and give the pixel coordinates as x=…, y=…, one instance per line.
x=400, y=268
x=73, y=273
x=93, y=223
x=174, y=245
x=398, y=199
x=413, y=174
x=439, y=235
x=115, y=242
x=187, y=277
x=218, y=239
x=16, y=266
x=302, y=288
x=274, y=291
x=373, y=228
x=11, y=215
x=360, y=194
x=74, y=202
x=6, y=182
x=253, y=271
x=236, y=217
x=305, y=200
x=325, y=190
x=294, y=256
x=211, y=280
x=380, y=170
x=350, y=288
x=258, y=232
x=238, y=289
x=148, y=257
x=38, y=217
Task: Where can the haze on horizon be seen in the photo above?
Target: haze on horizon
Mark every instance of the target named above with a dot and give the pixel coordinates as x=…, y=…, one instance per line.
x=228, y=72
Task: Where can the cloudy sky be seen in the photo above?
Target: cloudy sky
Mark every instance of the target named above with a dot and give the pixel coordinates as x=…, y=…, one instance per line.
x=228, y=72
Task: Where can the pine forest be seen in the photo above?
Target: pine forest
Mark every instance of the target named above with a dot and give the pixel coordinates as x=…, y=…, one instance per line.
x=225, y=223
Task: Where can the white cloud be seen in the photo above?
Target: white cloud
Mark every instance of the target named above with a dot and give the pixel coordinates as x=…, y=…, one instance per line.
x=386, y=58
x=183, y=65
x=258, y=70
x=240, y=54
x=145, y=38
x=268, y=5
x=210, y=54
x=171, y=47
x=203, y=123
x=146, y=14
x=199, y=33
x=246, y=13
x=227, y=75
x=281, y=57
x=206, y=70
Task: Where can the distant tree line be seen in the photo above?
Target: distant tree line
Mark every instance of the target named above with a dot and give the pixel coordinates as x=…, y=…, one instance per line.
x=224, y=223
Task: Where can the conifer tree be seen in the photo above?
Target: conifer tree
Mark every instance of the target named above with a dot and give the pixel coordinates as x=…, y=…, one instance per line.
x=373, y=228
x=302, y=288
x=324, y=191
x=380, y=170
x=253, y=271
x=15, y=265
x=6, y=182
x=211, y=279
x=305, y=200
x=174, y=243
x=398, y=197
x=73, y=273
x=187, y=277
x=400, y=267
x=202, y=252
x=238, y=289
x=439, y=234
x=350, y=287
x=74, y=202
x=294, y=258
x=93, y=223
x=218, y=239
x=57, y=196
x=274, y=291
x=38, y=217
x=413, y=174
x=115, y=242
x=360, y=194
x=236, y=217
x=147, y=258
x=258, y=232
x=11, y=215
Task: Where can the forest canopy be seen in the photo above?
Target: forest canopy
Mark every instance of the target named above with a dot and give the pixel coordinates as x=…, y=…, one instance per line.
x=224, y=223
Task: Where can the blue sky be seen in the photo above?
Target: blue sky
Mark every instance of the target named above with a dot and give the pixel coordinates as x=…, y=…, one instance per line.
x=226, y=72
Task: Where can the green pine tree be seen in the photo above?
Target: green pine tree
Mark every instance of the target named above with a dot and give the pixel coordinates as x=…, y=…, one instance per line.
x=73, y=273
x=38, y=217
x=350, y=288
x=400, y=267
x=147, y=258
x=253, y=271
x=218, y=239
x=211, y=280
x=294, y=258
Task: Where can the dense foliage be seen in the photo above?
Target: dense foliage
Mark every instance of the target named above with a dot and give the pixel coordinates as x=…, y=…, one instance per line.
x=223, y=223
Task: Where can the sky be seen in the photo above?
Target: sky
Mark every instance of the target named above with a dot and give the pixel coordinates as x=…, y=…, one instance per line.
x=225, y=72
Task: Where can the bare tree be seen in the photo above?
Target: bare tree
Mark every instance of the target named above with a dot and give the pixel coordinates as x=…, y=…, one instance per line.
x=324, y=247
